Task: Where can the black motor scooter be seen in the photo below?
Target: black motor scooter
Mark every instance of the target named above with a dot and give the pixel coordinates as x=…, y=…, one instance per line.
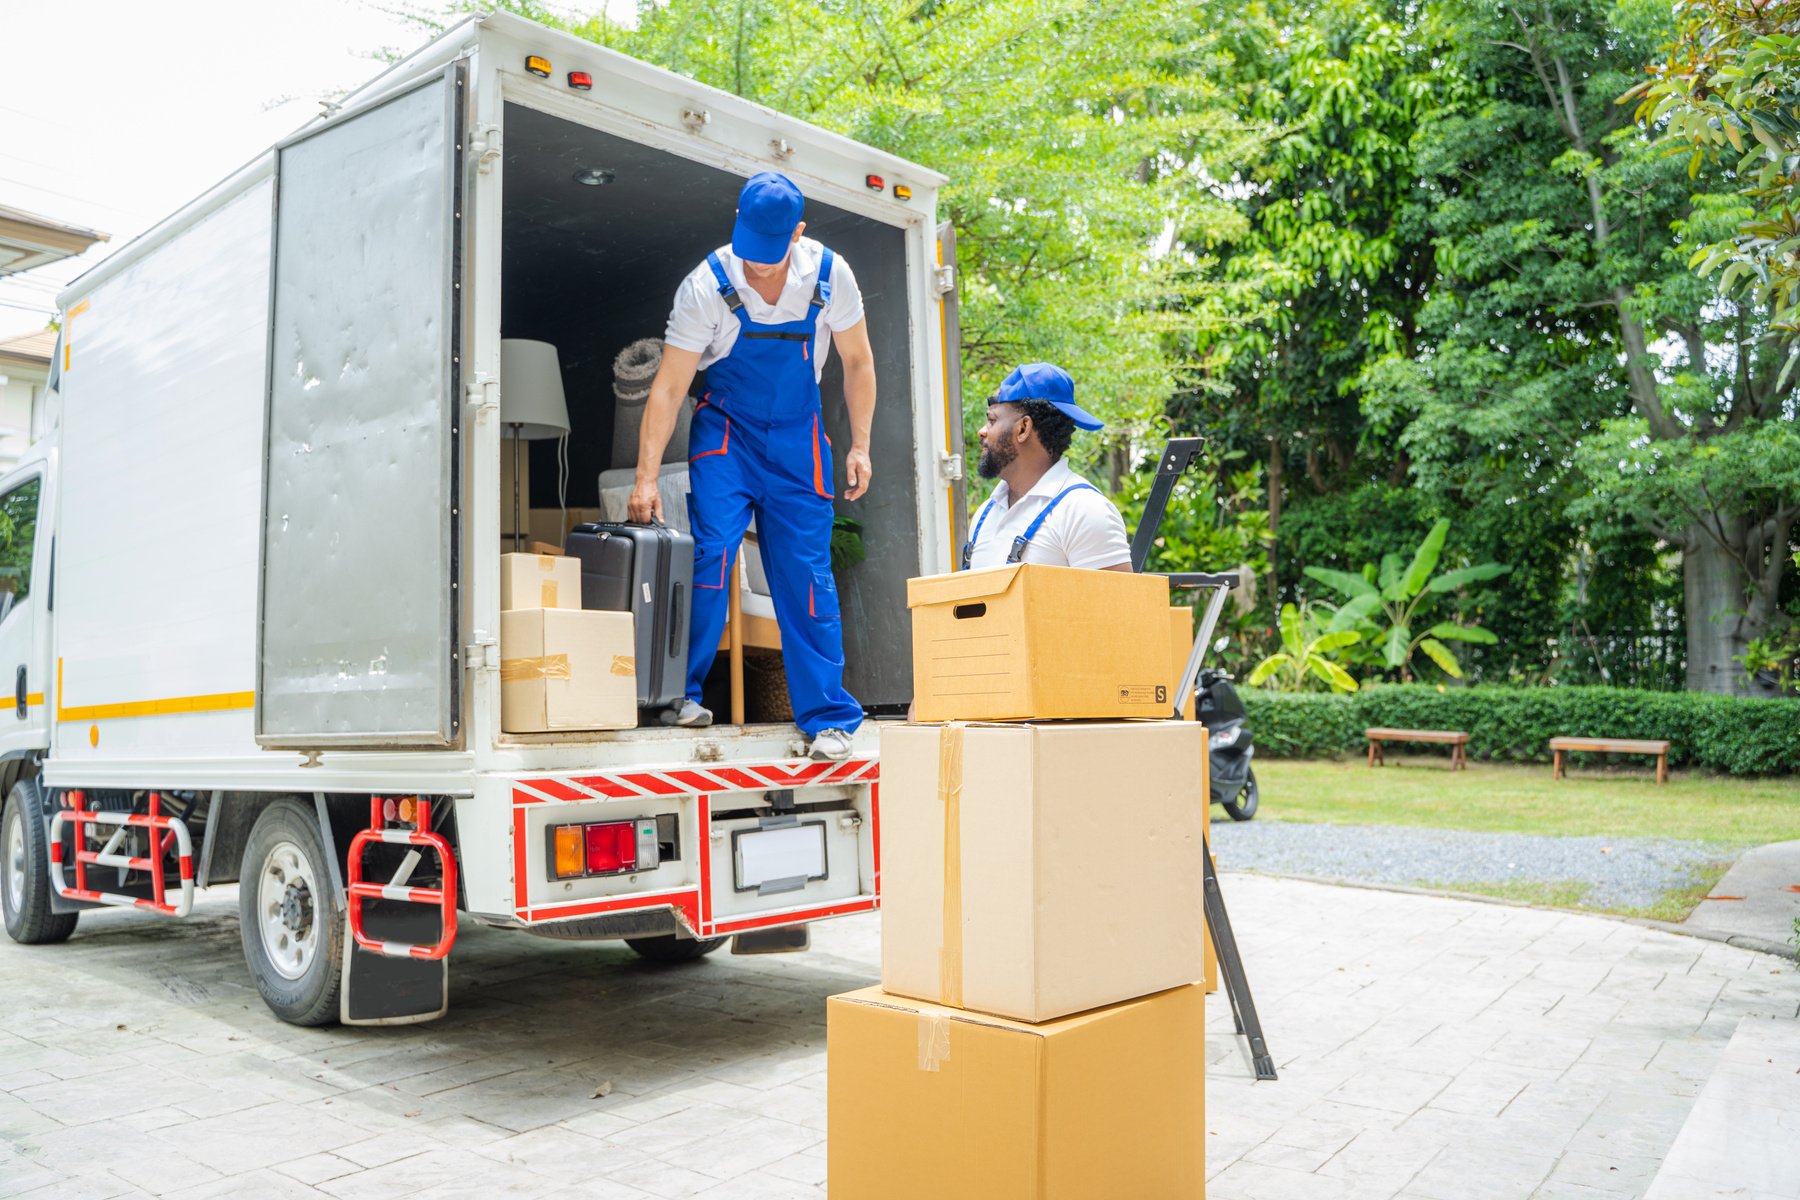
x=1229, y=744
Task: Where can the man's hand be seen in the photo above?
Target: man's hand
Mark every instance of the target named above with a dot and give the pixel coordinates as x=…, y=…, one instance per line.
x=645, y=505
x=857, y=470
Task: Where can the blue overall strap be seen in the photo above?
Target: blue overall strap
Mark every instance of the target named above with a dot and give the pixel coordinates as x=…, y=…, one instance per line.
x=968, y=555
x=1023, y=540
x=727, y=291
x=822, y=288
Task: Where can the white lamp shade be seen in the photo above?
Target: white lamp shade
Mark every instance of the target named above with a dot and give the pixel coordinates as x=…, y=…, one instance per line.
x=531, y=390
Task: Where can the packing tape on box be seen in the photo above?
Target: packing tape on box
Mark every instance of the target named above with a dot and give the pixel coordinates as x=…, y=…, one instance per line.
x=934, y=1042
x=550, y=666
x=546, y=562
x=624, y=664
x=950, y=780
x=547, y=594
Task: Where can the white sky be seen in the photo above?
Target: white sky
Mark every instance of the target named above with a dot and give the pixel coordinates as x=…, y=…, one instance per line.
x=114, y=113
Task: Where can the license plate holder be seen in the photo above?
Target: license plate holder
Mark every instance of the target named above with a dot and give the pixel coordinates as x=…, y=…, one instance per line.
x=781, y=858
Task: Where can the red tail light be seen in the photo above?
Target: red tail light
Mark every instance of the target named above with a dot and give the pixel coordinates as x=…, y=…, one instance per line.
x=611, y=847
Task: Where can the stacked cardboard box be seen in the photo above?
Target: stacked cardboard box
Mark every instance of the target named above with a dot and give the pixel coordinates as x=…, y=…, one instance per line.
x=1039, y=1030
x=561, y=667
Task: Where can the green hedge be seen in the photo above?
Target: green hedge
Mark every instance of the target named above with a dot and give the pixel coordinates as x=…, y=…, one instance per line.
x=1732, y=734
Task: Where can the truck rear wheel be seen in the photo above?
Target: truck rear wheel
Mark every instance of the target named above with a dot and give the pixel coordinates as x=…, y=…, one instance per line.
x=290, y=916
x=25, y=871
x=671, y=949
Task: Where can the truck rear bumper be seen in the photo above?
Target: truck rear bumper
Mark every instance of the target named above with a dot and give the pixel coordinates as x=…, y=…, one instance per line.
x=724, y=827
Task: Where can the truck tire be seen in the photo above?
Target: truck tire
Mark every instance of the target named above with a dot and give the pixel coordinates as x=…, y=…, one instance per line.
x=671, y=949
x=290, y=916
x=25, y=871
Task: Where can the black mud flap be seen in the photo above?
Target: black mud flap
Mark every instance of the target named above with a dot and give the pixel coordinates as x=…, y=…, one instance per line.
x=382, y=990
x=783, y=939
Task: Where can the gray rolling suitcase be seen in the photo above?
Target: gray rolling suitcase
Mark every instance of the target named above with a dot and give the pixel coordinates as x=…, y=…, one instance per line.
x=648, y=571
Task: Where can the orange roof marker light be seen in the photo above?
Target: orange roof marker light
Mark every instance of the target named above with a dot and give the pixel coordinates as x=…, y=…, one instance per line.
x=902, y=192
x=538, y=65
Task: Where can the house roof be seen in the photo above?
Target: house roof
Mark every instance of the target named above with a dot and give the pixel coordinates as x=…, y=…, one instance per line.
x=28, y=240
x=35, y=347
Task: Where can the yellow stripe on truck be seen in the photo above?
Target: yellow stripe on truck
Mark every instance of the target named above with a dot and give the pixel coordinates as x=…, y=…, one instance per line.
x=171, y=706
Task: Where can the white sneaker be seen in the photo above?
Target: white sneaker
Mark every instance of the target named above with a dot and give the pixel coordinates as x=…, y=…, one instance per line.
x=831, y=745
x=688, y=714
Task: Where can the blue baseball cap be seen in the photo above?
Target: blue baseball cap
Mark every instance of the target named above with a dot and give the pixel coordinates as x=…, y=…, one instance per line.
x=1051, y=384
x=768, y=209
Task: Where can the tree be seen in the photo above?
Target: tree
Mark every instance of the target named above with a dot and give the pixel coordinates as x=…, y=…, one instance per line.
x=1565, y=316
x=1334, y=252
x=1729, y=88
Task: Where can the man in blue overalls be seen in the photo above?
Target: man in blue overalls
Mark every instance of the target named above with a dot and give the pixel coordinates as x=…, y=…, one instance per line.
x=759, y=316
x=1041, y=510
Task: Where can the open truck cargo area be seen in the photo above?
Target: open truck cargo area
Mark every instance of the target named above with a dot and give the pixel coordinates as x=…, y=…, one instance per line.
x=254, y=596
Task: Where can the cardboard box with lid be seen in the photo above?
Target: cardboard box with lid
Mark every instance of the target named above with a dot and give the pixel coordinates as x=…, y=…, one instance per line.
x=1030, y=642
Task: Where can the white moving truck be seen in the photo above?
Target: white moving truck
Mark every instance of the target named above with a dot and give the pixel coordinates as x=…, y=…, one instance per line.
x=249, y=581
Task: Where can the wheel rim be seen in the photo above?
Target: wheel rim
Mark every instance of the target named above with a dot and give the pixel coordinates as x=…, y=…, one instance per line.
x=14, y=863
x=285, y=893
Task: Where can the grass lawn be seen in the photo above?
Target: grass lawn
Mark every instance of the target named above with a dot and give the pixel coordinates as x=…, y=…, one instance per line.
x=1607, y=802
x=1422, y=792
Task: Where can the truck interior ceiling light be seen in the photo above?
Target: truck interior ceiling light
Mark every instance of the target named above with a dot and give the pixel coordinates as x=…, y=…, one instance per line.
x=538, y=65
x=902, y=192
x=581, y=81
x=876, y=183
x=594, y=176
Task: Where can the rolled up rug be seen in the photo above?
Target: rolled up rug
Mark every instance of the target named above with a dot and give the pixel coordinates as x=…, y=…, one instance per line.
x=633, y=371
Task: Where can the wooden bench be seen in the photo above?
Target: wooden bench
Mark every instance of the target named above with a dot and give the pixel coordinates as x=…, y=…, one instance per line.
x=1456, y=739
x=1560, y=745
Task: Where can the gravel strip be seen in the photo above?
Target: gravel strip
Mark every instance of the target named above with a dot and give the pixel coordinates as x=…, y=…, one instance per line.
x=1620, y=873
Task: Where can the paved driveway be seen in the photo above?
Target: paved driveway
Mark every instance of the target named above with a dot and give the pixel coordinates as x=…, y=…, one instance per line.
x=1428, y=1048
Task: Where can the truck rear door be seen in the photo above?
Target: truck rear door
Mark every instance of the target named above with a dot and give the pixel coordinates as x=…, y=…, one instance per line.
x=358, y=614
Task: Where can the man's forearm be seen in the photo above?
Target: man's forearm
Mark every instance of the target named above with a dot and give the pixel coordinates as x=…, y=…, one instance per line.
x=660, y=412
x=859, y=398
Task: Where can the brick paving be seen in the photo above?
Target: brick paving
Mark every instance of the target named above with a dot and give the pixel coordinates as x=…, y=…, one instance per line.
x=1429, y=1048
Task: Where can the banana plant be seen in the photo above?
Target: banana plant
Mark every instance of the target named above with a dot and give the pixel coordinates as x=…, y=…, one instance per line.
x=1387, y=605
x=1304, y=646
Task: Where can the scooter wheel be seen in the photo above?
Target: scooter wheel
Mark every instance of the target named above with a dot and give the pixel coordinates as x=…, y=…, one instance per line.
x=1244, y=807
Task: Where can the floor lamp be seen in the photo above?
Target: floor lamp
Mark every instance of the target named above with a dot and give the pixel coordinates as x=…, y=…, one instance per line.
x=532, y=406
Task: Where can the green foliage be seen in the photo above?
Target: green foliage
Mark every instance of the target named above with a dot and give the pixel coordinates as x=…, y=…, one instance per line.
x=1734, y=735
x=847, y=548
x=1401, y=594
x=1565, y=315
x=1307, y=645
x=1729, y=88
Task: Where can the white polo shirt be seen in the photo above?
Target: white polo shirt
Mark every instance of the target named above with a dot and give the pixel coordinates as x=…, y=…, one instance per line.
x=702, y=322
x=1085, y=530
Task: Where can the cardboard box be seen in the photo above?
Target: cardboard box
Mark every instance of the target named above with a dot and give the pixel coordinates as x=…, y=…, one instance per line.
x=567, y=669
x=1181, y=632
x=926, y=1101
x=1034, y=642
x=1032, y=871
x=530, y=581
